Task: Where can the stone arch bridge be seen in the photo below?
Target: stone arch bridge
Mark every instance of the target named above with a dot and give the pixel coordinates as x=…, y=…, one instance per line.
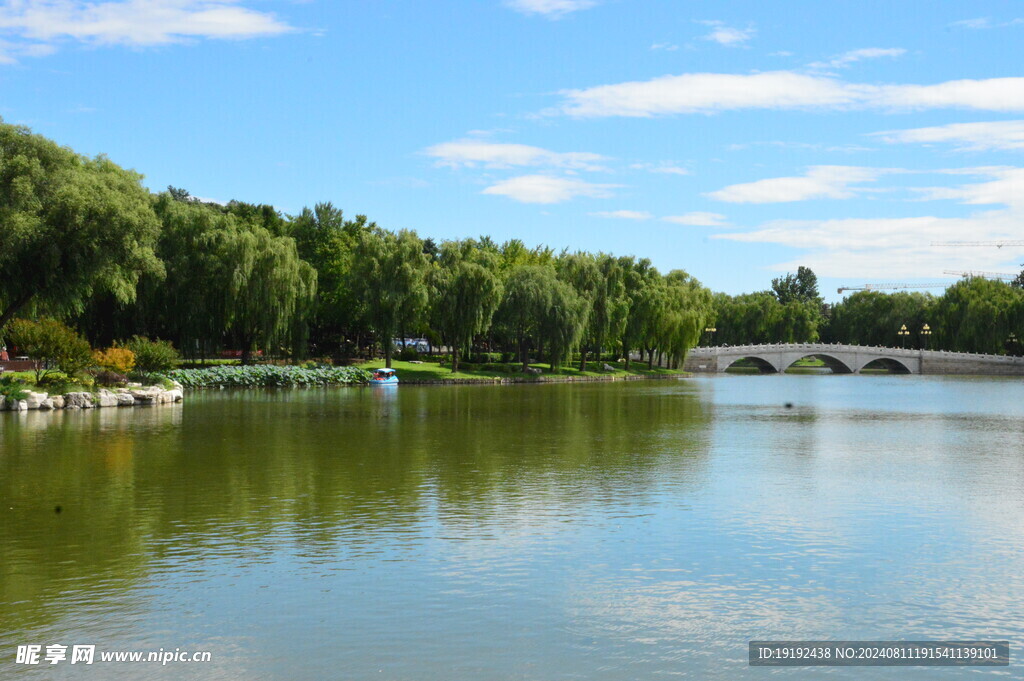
x=851, y=359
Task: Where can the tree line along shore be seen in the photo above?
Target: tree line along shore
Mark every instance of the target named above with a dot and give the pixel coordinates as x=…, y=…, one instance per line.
x=87, y=251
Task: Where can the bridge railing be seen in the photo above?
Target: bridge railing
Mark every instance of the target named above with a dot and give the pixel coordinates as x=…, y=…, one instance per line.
x=842, y=347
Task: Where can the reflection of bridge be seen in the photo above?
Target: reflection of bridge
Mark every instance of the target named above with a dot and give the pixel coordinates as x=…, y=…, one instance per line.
x=851, y=359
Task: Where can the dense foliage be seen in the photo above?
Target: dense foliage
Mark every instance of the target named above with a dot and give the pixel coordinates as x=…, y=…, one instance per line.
x=267, y=376
x=72, y=227
x=116, y=359
x=51, y=346
x=152, y=356
x=84, y=242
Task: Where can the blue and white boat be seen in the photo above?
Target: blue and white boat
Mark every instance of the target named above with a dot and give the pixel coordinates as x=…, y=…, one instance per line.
x=384, y=377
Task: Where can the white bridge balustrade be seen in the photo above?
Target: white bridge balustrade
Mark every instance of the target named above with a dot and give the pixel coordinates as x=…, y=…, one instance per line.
x=851, y=359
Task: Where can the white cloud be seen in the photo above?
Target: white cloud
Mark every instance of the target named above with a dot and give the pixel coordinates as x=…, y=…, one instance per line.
x=548, y=189
x=890, y=248
x=972, y=136
x=471, y=152
x=1007, y=188
x=708, y=92
x=985, y=22
x=847, y=58
x=820, y=182
x=668, y=47
x=727, y=35
x=39, y=24
x=698, y=219
x=670, y=170
x=552, y=9
x=623, y=214
x=665, y=168
x=979, y=22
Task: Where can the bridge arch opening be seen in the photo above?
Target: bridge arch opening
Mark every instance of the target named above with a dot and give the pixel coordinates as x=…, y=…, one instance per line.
x=886, y=364
x=746, y=363
x=837, y=366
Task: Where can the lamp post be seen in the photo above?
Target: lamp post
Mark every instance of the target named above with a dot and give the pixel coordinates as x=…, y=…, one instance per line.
x=710, y=330
x=926, y=331
x=903, y=333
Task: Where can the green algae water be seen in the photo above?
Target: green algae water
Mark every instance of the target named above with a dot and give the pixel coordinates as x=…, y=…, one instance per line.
x=636, y=530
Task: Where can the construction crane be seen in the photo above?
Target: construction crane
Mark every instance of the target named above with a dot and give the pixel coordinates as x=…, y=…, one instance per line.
x=978, y=273
x=984, y=244
x=875, y=287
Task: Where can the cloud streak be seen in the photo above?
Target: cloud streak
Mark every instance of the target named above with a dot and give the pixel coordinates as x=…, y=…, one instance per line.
x=623, y=214
x=33, y=28
x=698, y=219
x=820, y=182
x=984, y=136
x=844, y=60
x=784, y=90
x=547, y=189
x=727, y=36
x=551, y=9
x=472, y=152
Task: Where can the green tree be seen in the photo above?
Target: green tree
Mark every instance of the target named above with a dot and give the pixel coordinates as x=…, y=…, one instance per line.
x=801, y=286
x=388, y=273
x=528, y=298
x=563, y=322
x=265, y=284
x=874, y=318
x=642, y=282
x=467, y=292
x=688, y=307
x=71, y=226
x=978, y=315
x=50, y=345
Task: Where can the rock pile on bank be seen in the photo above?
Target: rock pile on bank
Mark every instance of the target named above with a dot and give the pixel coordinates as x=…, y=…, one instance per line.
x=118, y=397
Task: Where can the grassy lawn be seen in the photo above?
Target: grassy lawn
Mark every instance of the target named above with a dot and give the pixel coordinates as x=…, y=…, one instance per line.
x=809, y=362
x=431, y=371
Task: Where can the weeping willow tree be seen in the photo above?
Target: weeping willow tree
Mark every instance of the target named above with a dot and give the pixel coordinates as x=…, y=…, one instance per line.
x=642, y=283
x=467, y=292
x=527, y=299
x=563, y=323
x=389, y=273
x=70, y=227
x=687, y=308
x=266, y=286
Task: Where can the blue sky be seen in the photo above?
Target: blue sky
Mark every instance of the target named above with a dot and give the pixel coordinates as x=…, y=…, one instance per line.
x=735, y=140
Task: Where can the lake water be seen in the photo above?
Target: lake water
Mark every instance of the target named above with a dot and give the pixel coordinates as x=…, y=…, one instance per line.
x=638, y=530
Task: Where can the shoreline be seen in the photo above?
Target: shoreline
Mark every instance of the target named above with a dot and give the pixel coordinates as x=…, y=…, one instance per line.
x=140, y=396
x=156, y=395
x=543, y=379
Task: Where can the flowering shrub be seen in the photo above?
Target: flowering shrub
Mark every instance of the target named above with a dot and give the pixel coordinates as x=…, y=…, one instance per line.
x=115, y=360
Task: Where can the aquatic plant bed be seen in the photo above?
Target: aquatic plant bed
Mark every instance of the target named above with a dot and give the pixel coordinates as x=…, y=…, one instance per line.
x=267, y=376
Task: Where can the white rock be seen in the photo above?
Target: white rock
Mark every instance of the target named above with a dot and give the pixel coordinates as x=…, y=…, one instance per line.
x=3, y=402
x=20, y=405
x=46, y=404
x=125, y=400
x=78, y=401
x=146, y=395
x=175, y=395
x=57, y=401
x=106, y=399
x=35, y=399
